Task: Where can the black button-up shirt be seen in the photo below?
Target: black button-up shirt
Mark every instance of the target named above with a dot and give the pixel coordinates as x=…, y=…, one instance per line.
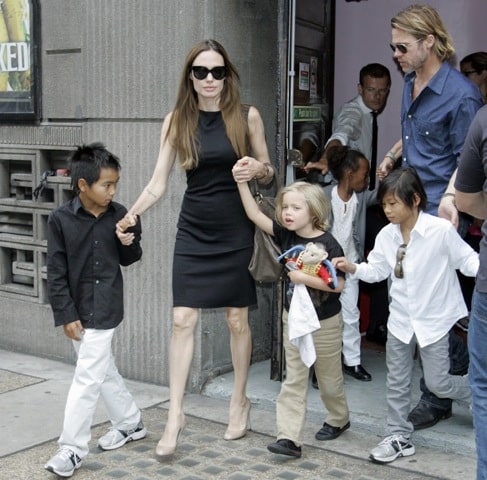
x=84, y=255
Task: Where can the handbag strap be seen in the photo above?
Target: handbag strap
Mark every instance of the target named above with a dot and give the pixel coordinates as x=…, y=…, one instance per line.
x=245, y=114
x=255, y=190
x=253, y=184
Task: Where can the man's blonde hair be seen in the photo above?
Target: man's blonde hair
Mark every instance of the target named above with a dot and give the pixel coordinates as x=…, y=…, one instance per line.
x=421, y=21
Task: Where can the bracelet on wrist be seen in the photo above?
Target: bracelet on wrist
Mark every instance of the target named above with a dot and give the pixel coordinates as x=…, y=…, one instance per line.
x=391, y=155
x=266, y=174
x=448, y=194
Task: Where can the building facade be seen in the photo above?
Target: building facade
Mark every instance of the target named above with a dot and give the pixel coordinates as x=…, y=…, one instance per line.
x=108, y=70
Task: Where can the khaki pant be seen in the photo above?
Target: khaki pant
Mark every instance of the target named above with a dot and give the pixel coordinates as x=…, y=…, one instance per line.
x=291, y=403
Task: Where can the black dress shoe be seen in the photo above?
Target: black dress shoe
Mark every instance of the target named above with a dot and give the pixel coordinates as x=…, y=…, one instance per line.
x=285, y=447
x=328, y=432
x=379, y=335
x=424, y=415
x=358, y=372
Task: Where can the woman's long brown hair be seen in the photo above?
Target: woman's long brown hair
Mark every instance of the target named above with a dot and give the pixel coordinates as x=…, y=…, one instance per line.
x=184, y=120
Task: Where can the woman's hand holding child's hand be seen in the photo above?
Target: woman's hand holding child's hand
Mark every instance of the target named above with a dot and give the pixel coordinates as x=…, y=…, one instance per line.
x=126, y=238
x=128, y=221
x=246, y=169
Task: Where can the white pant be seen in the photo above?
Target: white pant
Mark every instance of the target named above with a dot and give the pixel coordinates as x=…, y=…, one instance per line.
x=351, y=322
x=95, y=374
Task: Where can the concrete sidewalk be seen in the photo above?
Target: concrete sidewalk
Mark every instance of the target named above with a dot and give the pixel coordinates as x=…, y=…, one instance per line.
x=366, y=401
x=33, y=392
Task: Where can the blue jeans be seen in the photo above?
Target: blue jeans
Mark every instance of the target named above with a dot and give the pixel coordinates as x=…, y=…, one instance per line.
x=477, y=375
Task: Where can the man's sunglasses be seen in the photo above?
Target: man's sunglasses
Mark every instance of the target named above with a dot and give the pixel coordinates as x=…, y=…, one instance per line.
x=200, y=73
x=402, y=47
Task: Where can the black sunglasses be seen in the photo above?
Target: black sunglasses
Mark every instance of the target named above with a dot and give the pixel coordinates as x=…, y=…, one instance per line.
x=403, y=47
x=469, y=72
x=401, y=253
x=200, y=73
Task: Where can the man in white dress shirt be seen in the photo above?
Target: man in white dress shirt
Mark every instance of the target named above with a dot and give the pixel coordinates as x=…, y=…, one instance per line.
x=353, y=127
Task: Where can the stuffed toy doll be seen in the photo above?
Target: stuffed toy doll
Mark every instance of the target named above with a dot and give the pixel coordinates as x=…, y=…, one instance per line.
x=311, y=259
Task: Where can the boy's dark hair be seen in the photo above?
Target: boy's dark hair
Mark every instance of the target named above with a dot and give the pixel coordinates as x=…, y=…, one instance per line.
x=374, y=70
x=341, y=158
x=403, y=183
x=87, y=162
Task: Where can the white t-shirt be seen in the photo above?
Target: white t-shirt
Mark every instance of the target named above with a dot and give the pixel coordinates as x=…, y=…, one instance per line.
x=343, y=216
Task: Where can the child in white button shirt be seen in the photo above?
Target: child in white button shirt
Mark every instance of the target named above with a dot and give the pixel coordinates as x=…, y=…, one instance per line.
x=420, y=253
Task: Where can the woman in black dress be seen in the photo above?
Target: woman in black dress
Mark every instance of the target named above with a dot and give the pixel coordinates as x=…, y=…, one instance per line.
x=209, y=131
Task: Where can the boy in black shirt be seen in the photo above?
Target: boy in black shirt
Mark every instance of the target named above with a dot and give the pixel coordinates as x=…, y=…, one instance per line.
x=85, y=289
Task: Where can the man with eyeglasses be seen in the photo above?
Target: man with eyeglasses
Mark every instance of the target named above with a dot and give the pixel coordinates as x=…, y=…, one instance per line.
x=355, y=126
x=438, y=105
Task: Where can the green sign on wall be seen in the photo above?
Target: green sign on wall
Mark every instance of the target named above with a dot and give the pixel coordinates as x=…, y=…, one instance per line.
x=306, y=114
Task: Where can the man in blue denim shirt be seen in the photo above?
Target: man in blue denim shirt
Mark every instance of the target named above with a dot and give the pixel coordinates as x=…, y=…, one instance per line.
x=438, y=105
x=434, y=123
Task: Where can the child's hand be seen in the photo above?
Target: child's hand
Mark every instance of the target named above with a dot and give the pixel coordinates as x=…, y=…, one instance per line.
x=74, y=330
x=298, y=276
x=344, y=265
x=126, y=239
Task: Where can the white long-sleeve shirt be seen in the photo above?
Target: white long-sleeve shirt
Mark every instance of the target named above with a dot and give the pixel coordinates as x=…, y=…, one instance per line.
x=428, y=300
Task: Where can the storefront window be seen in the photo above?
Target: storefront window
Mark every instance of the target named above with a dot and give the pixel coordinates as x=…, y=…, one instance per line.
x=19, y=67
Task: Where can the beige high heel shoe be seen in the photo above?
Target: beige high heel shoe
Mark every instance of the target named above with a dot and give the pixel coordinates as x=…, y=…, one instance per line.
x=164, y=450
x=235, y=434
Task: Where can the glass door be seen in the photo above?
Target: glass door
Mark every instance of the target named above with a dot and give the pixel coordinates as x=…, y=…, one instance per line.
x=308, y=85
x=309, y=92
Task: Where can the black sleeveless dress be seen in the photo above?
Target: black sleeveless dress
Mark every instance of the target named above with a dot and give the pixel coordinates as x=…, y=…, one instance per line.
x=214, y=241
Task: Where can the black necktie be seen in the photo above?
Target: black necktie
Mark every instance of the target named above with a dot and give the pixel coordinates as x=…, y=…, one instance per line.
x=373, y=158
